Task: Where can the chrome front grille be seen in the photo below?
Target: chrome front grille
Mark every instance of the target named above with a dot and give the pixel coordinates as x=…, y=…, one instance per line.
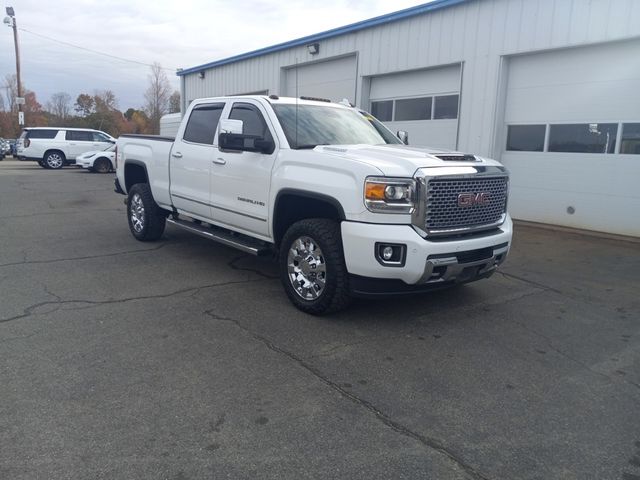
x=444, y=213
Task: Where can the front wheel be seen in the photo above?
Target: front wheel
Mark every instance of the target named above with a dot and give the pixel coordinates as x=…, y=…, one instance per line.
x=312, y=268
x=146, y=219
x=102, y=165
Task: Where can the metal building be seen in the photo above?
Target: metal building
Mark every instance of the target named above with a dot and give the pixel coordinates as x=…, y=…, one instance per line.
x=549, y=87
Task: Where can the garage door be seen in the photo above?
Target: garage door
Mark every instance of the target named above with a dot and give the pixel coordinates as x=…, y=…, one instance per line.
x=332, y=79
x=572, y=137
x=424, y=103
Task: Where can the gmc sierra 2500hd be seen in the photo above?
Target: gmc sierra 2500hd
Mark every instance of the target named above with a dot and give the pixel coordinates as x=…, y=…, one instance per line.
x=346, y=206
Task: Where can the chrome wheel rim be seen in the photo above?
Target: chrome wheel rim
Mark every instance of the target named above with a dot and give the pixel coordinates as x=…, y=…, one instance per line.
x=307, y=268
x=137, y=213
x=54, y=160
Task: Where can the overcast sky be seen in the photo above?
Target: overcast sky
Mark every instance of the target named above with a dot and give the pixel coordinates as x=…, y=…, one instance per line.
x=173, y=33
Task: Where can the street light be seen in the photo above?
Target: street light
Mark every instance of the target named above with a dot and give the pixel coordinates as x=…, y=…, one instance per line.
x=10, y=21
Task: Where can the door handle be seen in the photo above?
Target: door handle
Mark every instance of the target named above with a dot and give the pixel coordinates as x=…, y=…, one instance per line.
x=220, y=161
x=176, y=154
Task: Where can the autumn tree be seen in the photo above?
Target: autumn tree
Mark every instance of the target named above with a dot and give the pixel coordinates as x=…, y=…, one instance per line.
x=33, y=113
x=157, y=96
x=174, y=102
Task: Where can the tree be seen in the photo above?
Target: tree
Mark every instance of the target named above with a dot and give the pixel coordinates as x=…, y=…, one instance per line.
x=10, y=87
x=84, y=104
x=174, y=102
x=104, y=101
x=33, y=114
x=157, y=96
x=59, y=105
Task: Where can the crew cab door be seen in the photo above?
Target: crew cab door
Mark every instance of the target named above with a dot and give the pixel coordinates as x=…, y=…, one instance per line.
x=241, y=179
x=190, y=163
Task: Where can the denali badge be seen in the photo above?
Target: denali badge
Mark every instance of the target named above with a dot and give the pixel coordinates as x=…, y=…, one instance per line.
x=471, y=199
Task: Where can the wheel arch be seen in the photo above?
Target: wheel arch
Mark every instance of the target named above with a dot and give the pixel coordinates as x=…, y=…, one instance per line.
x=292, y=205
x=135, y=171
x=51, y=150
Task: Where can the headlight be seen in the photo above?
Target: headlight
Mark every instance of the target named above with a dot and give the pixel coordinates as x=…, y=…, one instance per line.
x=389, y=195
x=88, y=156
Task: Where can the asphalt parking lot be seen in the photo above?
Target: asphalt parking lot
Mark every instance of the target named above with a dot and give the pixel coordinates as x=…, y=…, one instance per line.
x=183, y=359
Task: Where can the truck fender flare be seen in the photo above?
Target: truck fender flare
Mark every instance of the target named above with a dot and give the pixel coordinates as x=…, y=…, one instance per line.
x=314, y=195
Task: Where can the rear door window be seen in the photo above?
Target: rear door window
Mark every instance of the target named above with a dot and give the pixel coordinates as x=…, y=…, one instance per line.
x=79, y=136
x=202, y=124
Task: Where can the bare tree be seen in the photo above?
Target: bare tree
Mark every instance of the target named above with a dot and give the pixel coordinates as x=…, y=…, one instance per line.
x=10, y=86
x=105, y=101
x=157, y=96
x=174, y=102
x=60, y=105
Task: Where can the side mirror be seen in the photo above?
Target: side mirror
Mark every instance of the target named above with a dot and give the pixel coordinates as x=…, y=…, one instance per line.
x=229, y=125
x=245, y=143
x=403, y=136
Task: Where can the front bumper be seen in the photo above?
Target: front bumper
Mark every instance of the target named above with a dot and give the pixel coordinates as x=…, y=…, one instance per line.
x=429, y=264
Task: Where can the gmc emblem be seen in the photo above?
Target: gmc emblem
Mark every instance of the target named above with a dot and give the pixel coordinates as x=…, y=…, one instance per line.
x=471, y=199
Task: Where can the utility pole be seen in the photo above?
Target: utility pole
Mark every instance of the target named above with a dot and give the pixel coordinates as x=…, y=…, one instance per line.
x=10, y=20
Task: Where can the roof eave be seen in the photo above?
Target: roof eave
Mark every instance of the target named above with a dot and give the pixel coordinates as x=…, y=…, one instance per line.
x=354, y=27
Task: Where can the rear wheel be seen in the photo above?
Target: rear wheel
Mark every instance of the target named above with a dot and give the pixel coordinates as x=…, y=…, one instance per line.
x=146, y=219
x=312, y=268
x=54, y=160
x=102, y=165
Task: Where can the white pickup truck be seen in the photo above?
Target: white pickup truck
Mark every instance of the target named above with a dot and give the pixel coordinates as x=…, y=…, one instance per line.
x=348, y=208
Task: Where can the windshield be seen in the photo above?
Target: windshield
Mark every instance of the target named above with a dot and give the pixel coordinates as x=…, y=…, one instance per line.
x=320, y=125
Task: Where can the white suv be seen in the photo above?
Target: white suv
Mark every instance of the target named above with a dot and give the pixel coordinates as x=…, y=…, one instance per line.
x=56, y=147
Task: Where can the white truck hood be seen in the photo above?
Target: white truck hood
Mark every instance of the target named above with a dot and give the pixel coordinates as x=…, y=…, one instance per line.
x=399, y=160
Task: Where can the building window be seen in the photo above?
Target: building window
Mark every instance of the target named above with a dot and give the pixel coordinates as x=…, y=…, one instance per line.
x=526, y=138
x=441, y=107
x=413, y=109
x=202, y=124
x=630, y=142
x=383, y=110
x=583, y=138
x=446, y=107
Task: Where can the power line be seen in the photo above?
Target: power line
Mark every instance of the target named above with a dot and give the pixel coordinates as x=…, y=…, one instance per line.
x=92, y=51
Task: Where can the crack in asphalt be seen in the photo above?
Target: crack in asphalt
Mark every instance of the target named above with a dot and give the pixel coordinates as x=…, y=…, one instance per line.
x=28, y=311
x=233, y=266
x=88, y=257
x=530, y=282
x=395, y=425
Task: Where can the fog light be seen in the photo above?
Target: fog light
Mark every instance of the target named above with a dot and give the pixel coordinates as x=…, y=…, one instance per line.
x=390, y=254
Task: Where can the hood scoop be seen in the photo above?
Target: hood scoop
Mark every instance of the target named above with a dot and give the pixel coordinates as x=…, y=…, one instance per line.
x=460, y=157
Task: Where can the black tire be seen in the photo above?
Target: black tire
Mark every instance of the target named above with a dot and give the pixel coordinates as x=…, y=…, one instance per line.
x=54, y=160
x=102, y=165
x=334, y=296
x=146, y=223
x=42, y=164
